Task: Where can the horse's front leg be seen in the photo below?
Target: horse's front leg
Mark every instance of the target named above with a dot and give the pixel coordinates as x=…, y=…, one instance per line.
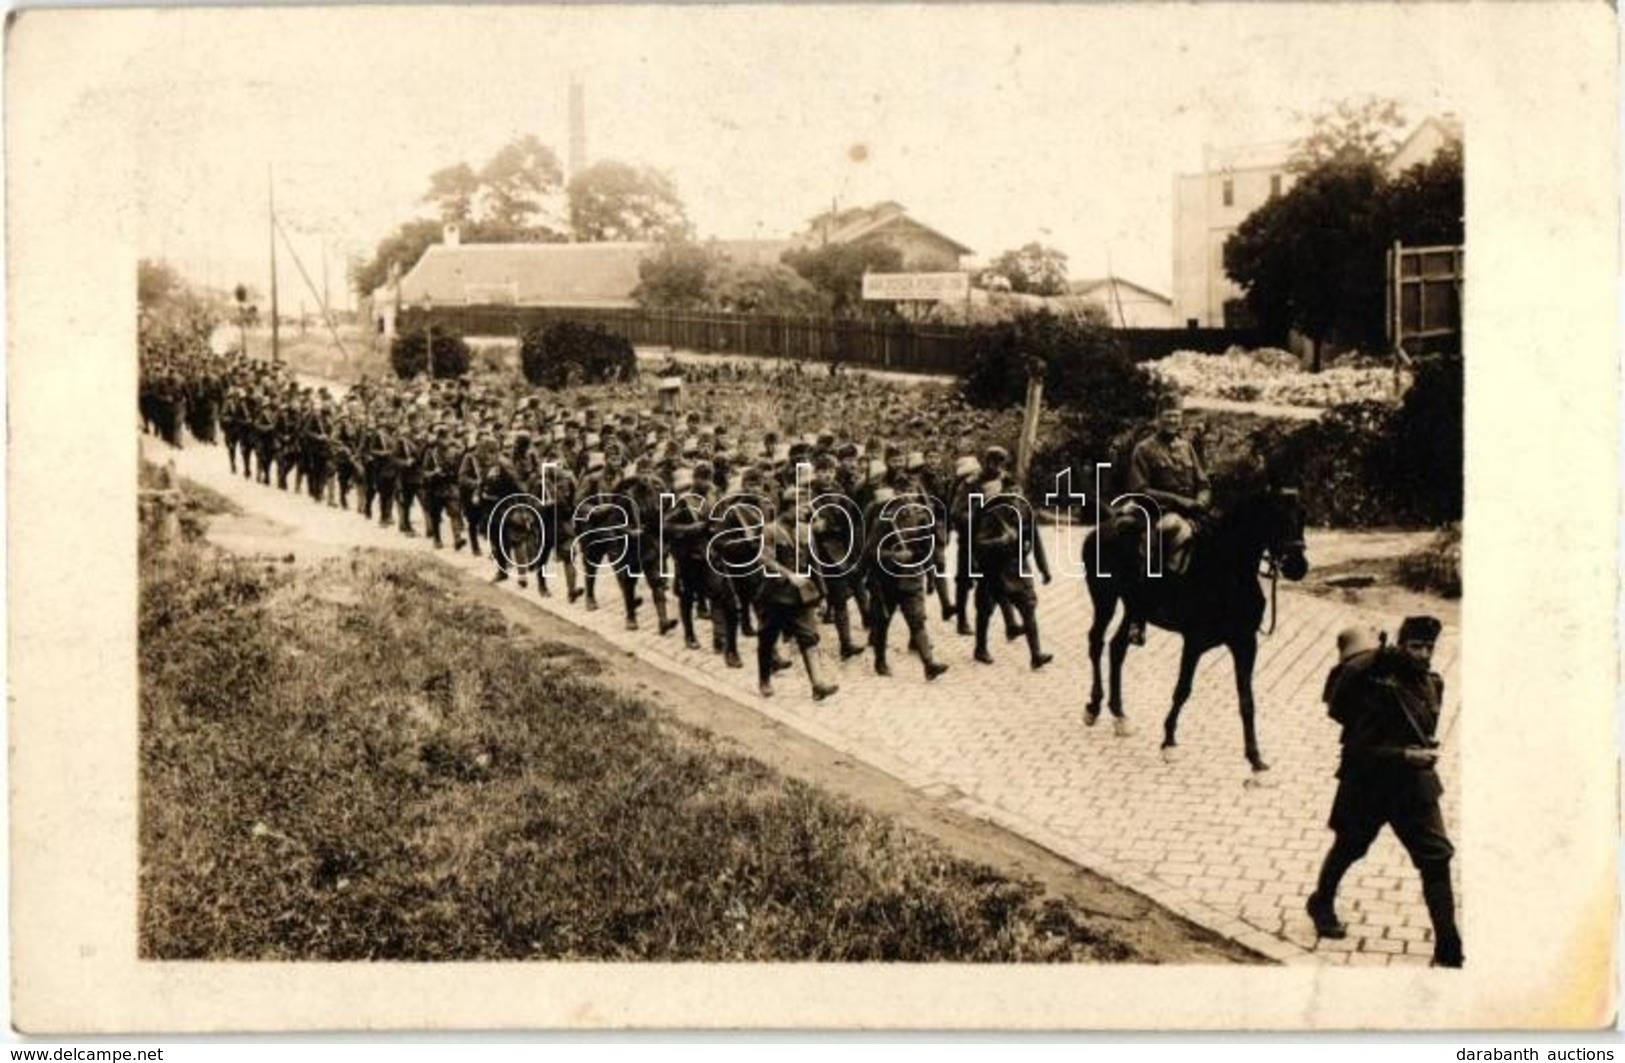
x=1119, y=650
x=1189, y=654
x=1105, y=606
x=1244, y=652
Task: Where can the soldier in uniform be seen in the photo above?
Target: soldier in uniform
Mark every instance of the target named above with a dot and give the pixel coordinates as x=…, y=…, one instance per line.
x=471, y=471
x=900, y=539
x=786, y=599
x=1004, y=532
x=380, y=449
x=408, y=470
x=689, y=523
x=838, y=544
x=438, y=465
x=1387, y=700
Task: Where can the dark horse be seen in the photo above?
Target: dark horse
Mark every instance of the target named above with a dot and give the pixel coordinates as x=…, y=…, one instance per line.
x=1216, y=602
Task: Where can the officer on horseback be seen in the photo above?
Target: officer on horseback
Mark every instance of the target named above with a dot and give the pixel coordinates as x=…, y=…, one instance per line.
x=1165, y=468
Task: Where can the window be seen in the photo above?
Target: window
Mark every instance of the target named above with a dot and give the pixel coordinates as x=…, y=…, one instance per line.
x=1275, y=185
x=1229, y=192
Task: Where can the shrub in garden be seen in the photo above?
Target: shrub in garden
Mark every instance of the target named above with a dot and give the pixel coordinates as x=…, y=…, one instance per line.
x=1426, y=451
x=409, y=355
x=1097, y=391
x=568, y=353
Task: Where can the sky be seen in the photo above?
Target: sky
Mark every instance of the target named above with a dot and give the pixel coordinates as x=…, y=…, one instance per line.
x=995, y=125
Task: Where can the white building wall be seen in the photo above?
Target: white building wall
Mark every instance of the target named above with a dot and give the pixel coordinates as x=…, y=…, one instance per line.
x=1203, y=220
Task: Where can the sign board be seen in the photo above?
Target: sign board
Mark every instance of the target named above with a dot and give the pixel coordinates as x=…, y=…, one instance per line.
x=935, y=287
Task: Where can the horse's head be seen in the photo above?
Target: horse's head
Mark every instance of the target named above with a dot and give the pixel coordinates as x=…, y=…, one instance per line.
x=1282, y=526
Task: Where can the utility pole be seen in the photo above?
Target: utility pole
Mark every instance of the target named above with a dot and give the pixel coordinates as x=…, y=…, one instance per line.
x=270, y=199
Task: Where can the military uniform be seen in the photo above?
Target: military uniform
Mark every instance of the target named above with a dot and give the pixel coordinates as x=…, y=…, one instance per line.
x=1388, y=705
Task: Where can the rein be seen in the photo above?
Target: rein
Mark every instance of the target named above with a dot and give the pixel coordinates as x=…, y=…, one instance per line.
x=1272, y=573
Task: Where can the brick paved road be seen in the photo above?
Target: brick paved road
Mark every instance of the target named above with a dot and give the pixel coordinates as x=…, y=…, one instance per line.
x=1009, y=745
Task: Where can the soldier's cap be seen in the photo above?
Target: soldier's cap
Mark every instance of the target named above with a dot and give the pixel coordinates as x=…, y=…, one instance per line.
x=916, y=460
x=893, y=451
x=751, y=475
x=995, y=453
x=1354, y=640
x=825, y=463
x=702, y=470
x=799, y=450
x=847, y=451
x=1420, y=629
x=967, y=466
x=1171, y=400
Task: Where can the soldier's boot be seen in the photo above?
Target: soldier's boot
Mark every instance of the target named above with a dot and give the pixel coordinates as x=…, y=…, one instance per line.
x=663, y=615
x=719, y=625
x=1441, y=902
x=1012, y=630
x=473, y=541
x=747, y=625
x=630, y=599
x=765, y=669
x=730, y=642
x=570, y=578
x=881, y=667
x=962, y=607
x=1322, y=904
x=541, y=582
x=843, y=632
x=1029, y=620
x=815, y=674
x=685, y=612
x=941, y=583
x=984, y=619
x=922, y=646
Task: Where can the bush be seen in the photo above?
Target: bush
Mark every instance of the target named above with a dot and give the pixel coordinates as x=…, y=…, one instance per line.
x=567, y=353
x=1425, y=446
x=1339, y=462
x=409, y=355
x=1096, y=390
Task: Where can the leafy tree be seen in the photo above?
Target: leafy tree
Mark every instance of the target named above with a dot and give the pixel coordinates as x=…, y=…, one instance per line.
x=1362, y=130
x=1424, y=205
x=1311, y=259
x=155, y=282
x=837, y=270
x=569, y=353
x=173, y=318
x=519, y=190
x=676, y=277
x=1032, y=269
x=402, y=247
x=452, y=192
x=616, y=201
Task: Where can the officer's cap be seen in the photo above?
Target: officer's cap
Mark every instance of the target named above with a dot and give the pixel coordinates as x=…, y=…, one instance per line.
x=1420, y=629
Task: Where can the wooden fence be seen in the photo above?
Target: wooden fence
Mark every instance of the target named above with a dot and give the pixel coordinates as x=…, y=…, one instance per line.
x=899, y=346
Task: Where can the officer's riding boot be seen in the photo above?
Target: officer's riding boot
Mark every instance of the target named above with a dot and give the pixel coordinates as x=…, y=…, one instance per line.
x=1029, y=620
x=984, y=619
x=1441, y=902
x=815, y=673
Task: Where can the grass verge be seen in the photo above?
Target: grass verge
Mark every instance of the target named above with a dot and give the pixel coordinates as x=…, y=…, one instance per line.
x=354, y=761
